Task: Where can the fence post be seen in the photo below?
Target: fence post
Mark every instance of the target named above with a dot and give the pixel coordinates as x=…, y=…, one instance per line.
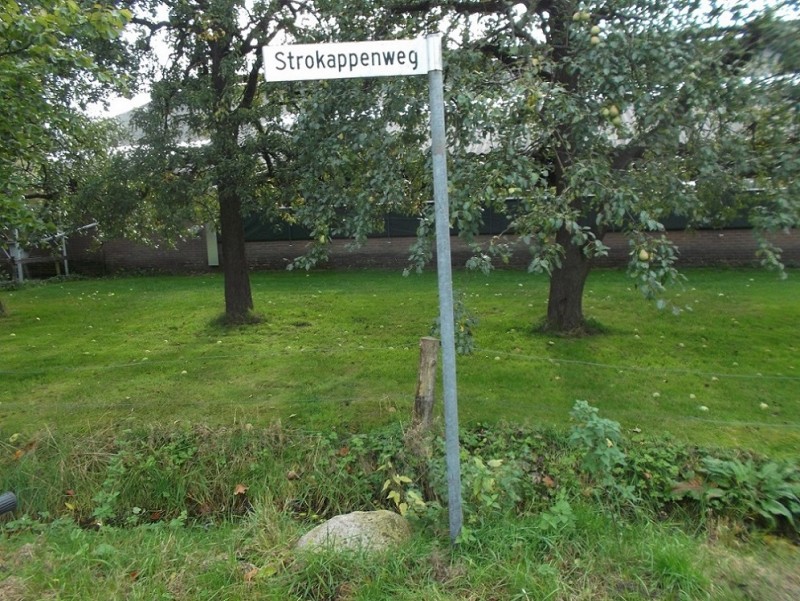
x=422, y=417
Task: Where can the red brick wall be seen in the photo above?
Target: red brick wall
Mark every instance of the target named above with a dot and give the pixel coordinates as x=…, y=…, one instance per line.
x=724, y=247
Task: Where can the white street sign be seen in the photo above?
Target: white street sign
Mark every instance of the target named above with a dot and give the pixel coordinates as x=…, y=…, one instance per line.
x=349, y=59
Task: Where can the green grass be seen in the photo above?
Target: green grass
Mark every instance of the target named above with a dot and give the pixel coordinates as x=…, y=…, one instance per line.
x=340, y=350
x=125, y=397
x=596, y=558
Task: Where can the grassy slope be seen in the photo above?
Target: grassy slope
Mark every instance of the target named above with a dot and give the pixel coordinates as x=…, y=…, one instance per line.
x=340, y=350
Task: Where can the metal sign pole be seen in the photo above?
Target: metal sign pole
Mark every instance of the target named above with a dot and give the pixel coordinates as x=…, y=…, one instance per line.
x=445, y=277
x=303, y=62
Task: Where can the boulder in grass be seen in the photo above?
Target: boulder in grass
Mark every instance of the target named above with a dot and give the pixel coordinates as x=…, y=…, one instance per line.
x=372, y=531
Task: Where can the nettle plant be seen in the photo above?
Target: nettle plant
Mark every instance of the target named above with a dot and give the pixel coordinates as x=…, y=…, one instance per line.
x=599, y=439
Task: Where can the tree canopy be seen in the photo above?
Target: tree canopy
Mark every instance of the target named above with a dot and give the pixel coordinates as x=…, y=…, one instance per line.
x=56, y=57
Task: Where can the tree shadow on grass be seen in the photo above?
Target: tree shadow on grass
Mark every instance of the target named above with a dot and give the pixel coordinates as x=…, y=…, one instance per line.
x=590, y=327
x=227, y=321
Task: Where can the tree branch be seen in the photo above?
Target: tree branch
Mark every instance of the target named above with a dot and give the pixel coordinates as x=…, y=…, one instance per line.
x=153, y=26
x=623, y=157
x=252, y=85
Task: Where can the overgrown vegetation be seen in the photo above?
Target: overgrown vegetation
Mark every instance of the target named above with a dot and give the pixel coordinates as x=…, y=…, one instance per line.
x=152, y=474
x=541, y=502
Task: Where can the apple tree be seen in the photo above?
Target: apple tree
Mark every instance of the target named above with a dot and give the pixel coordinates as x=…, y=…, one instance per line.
x=217, y=143
x=190, y=156
x=595, y=116
x=211, y=143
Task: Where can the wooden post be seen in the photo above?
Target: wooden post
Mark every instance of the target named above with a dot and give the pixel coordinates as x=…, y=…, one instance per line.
x=422, y=417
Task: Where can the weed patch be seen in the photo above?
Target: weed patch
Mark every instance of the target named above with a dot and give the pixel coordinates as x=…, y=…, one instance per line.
x=173, y=475
x=184, y=512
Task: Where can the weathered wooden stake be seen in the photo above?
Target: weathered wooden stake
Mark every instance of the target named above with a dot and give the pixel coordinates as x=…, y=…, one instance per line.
x=422, y=417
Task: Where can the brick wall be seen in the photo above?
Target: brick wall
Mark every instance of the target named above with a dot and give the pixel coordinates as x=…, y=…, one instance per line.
x=734, y=247
x=88, y=257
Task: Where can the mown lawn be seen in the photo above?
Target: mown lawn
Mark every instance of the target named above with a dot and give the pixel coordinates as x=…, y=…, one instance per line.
x=340, y=350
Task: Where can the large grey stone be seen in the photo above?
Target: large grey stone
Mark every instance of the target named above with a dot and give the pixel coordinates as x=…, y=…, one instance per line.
x=358, y=531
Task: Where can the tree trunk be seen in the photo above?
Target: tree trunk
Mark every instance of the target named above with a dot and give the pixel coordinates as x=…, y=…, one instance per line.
x=238, y=296
x=225, y=142
x=565, y=302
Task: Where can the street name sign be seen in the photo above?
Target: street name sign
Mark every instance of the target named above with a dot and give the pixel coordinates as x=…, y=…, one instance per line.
x=303, y=62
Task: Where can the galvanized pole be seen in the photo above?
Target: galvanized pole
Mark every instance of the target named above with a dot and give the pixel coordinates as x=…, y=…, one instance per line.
x=445, y=277
x=64, y=254
x=16, y=254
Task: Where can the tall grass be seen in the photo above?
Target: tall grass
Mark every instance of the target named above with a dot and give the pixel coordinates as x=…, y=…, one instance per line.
x=190, y=512
x=595, y=556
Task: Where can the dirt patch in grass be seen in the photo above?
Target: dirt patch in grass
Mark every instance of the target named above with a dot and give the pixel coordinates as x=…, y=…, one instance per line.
x=13, y=589
x=773, y=575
